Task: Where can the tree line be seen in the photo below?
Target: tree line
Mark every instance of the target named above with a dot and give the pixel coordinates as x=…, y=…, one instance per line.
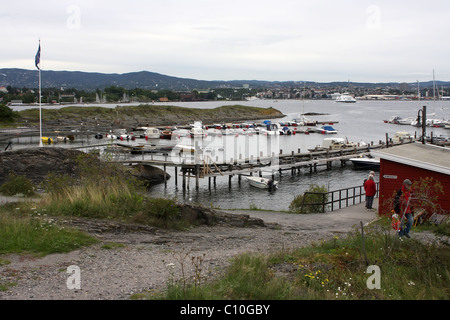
x=114, y=94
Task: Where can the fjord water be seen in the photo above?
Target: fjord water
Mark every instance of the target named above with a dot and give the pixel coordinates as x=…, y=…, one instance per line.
x=358, y=122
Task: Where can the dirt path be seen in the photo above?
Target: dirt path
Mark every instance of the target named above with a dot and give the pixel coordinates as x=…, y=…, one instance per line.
x=146, y=261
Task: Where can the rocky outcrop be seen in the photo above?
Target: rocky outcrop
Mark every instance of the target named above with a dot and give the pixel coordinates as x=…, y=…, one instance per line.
x=201, y=215
x=149, y=174
x=37, y=163
x=196, y=215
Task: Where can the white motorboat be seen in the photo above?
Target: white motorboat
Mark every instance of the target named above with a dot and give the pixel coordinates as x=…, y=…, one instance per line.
x=152, y=133
x=345, y=98
x=262, y=183
x=366, y=163
x=405, y=121
x=328, y=130
x=334, y=144
x=401, y=137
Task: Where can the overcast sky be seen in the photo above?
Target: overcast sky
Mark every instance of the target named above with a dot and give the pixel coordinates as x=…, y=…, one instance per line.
x=278, y=40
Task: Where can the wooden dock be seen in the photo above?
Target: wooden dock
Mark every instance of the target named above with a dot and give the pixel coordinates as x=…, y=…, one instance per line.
x=293, y=162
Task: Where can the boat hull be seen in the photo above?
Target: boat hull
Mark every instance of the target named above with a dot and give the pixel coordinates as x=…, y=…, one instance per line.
x=363, y=163
x=262, y=183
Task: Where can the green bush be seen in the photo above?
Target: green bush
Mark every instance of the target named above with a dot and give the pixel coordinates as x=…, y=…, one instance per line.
x=159, y=212
x=310, y=203
x=17, y=185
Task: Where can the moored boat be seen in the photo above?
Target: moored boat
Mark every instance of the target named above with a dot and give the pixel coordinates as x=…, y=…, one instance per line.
x=333, y=144
x=328, y=130
x=366, y=163
x=166, y=134
x=152, y=133
x=262, y=183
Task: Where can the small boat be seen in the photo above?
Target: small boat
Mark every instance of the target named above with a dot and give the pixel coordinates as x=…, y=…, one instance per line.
x=405, y=121
x=393, y=119
x=401, y=137
x=328, y=130
x=334, y=144
x=62, y=139
x=166, y=134
x=47, y=140
x=366, y=163
x=262, y=183
x=152, y=133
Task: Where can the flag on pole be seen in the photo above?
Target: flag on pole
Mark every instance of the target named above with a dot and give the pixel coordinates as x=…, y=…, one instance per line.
x=37, y=59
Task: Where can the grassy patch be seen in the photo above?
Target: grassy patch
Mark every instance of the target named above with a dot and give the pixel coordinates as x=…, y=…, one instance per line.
x=21, y=232
x=336, y=269
x=101, y=191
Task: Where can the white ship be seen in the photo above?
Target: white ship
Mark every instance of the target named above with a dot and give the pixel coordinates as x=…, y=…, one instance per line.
x=345, y=98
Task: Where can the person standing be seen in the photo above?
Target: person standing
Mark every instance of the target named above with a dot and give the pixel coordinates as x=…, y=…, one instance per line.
x=403, y=207
x=371, y=190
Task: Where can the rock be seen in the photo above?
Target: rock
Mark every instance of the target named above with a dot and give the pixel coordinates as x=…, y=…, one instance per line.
x=202, y=215
x=36, y=163
x=151, y=175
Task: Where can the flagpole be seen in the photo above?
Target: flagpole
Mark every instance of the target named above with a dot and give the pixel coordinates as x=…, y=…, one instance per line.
x=38, y=65
x=40, y=111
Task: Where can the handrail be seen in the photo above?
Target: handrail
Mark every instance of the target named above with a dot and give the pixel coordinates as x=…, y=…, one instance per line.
x=349, y=195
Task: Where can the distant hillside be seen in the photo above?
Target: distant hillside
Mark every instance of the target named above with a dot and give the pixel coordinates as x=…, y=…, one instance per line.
x=20, y=78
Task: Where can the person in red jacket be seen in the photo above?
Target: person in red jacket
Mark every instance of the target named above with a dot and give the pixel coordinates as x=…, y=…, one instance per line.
x=403, y=207
x=371, y=190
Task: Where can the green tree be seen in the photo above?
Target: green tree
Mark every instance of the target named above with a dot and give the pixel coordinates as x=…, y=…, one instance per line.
x=6, y=114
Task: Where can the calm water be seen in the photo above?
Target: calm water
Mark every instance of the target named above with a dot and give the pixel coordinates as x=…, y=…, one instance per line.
x=359, y=122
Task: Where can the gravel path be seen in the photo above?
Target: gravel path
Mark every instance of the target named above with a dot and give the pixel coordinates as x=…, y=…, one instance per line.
x=147, y=261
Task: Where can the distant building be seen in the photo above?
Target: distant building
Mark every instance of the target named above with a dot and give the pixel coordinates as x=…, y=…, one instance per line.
x=16, y=103
x=412, y=161
x=3, y=89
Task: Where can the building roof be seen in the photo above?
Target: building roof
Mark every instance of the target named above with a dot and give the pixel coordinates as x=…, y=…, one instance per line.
x=419, y=155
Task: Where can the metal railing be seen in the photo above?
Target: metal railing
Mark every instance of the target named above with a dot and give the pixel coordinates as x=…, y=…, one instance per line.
x=339, y=198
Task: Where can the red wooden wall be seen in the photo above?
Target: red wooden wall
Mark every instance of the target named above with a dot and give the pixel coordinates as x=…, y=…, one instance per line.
x=391, y=178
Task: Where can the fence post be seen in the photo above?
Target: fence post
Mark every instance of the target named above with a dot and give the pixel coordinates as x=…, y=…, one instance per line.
x=332, y=201
x=323, y=202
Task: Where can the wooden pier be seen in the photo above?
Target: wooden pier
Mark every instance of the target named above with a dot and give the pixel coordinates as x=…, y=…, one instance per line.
x=293, y=162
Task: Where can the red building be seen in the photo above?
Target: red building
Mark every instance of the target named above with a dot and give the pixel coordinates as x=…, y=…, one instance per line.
x=412, y=161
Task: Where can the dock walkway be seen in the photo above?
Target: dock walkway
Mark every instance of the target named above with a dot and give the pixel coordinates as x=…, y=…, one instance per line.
x=206, y=167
